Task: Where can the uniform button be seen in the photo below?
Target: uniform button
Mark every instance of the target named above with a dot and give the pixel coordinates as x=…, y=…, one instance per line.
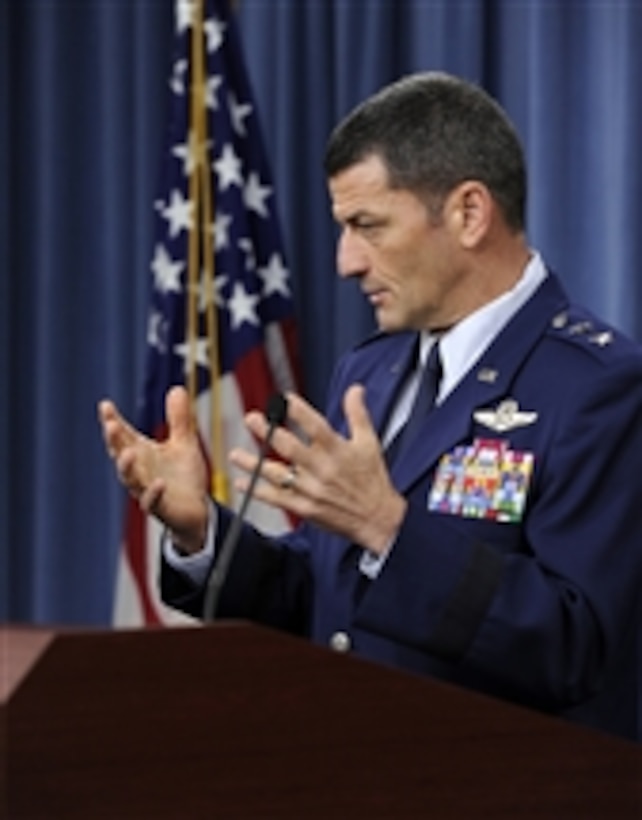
x=340, y=642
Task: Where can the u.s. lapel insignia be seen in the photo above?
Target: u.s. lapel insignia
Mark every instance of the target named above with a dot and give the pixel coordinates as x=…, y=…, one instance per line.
x=487, y=375
x=507, y=416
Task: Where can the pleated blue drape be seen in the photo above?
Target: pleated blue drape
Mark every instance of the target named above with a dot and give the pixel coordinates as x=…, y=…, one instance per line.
x=81, y=142
x=83, y=95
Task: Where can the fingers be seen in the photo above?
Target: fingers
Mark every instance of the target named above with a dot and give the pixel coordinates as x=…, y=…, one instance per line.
x=165, y=477
x=309, y=421
x=277, y=473
x=324, y=476
x=117, y=433
x=281, y=485
x=316, y=436
x=150, y=498
x=307, y=430
x=315, y=426
x=178, y=411
x=284, y=441
x=123, y=444
x=357, y=415
x=125, y=463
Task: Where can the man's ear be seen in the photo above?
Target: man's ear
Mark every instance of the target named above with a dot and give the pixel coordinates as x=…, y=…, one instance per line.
x=470, y=210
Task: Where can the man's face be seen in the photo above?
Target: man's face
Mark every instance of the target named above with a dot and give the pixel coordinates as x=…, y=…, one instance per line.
x=406, y=260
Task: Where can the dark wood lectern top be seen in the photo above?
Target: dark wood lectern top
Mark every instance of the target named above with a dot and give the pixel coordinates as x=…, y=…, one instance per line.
x=237, y=721
x=20, y=650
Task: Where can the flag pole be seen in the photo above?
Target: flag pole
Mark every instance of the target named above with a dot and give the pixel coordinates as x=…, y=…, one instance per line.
x=219, y=484
x=194, y=198
x=201, y=195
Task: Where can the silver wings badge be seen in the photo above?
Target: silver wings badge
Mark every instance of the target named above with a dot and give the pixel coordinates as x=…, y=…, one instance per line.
x=507, y=416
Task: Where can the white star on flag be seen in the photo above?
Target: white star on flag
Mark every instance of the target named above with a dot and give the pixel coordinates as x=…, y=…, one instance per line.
x=214, y=30
x=192, y=154
x=178, y=213
x=247, y=246
x=177, y=80
x=184, y=15
x=274, y=277
x=210, y=294
x=221, y=230
x=199, y=348
x=156, y=331
x=210, y=91
x=167, y=273
x=255, y=194
x=228, y=168
x=242, y=306
x=238, y=113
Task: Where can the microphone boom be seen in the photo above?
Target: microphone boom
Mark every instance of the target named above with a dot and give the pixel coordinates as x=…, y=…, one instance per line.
x=275, y=413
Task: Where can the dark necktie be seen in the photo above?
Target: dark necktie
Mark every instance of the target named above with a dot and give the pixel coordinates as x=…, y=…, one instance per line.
x=427, y=391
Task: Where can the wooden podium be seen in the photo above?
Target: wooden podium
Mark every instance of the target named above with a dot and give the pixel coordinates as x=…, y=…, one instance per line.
x=236, y=721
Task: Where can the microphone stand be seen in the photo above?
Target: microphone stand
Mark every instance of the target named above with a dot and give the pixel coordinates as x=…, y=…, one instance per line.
x=276, y=413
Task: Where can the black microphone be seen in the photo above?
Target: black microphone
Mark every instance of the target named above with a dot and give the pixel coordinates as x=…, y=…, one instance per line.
x=276, y=412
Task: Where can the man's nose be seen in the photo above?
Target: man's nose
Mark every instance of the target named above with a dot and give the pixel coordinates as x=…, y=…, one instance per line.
x=351, y=257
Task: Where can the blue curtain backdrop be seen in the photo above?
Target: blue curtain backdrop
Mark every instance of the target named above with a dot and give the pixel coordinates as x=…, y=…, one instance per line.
x=83, y=94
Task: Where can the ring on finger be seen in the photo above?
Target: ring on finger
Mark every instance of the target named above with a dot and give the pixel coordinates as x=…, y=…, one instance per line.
x=289, y=479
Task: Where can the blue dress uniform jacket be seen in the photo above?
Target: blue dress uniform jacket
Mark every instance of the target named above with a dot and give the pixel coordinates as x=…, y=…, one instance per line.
x=543, y=609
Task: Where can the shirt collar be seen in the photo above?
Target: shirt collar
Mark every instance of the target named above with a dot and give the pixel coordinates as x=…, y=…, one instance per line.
x=463, y=344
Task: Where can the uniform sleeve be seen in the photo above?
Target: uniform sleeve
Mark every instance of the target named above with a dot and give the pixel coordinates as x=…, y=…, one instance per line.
x=269, y=581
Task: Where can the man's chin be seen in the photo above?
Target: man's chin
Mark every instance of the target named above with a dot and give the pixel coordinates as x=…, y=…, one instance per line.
x=387, y=323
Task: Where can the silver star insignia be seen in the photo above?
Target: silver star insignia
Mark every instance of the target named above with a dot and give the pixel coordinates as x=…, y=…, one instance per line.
x=602, y=339
x=579, y=327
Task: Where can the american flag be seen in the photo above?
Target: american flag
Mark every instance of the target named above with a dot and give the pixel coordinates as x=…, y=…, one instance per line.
x=221, y=317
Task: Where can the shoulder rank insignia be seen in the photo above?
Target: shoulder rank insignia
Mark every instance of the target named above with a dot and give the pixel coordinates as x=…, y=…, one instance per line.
x=602, y=339
x=579, y=328
x=507, y=416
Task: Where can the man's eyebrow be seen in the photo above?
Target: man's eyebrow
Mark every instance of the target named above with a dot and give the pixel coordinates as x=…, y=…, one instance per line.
x=354, y=217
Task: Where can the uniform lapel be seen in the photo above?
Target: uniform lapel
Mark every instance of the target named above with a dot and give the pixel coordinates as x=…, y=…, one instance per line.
x=450, y=423
x=381, y=392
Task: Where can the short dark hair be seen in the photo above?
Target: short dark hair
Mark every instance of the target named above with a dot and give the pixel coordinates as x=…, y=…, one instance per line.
x=434, y=131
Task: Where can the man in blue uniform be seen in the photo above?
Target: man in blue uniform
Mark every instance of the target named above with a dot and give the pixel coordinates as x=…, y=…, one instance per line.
x=497, y=541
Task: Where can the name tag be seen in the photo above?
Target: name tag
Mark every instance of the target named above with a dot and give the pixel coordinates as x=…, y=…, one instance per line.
x=483, y=480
